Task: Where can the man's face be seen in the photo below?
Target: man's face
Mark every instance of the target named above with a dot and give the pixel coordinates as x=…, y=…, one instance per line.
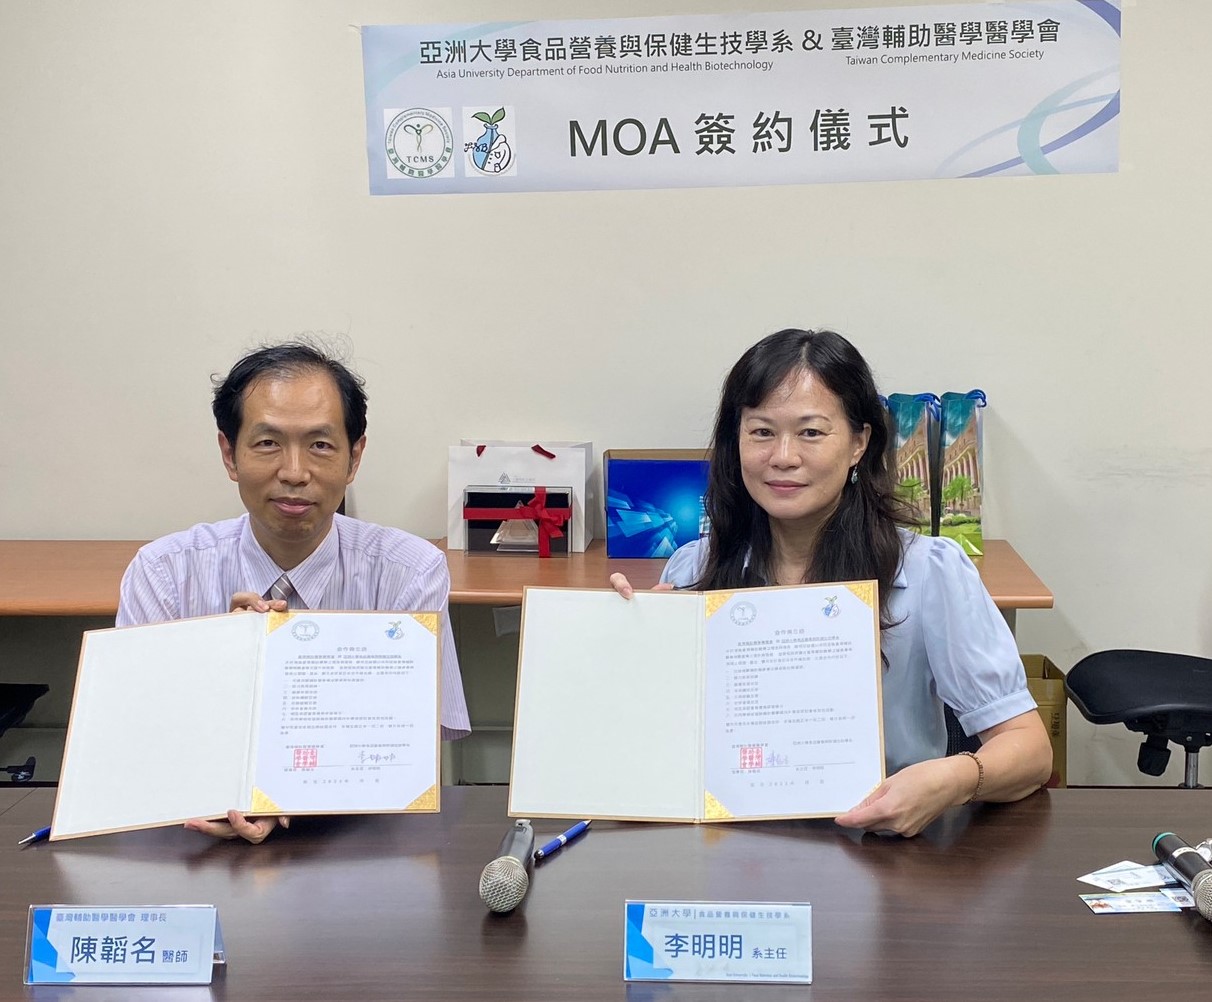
x=292, y=461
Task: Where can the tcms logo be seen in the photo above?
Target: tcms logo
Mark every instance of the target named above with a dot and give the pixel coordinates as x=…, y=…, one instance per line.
x=491, y=151
x=419, y=142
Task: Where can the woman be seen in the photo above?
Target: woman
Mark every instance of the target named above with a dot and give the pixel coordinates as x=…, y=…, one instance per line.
x=799, y=491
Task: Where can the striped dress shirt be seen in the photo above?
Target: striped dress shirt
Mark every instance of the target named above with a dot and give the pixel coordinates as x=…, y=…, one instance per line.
x=358, y=566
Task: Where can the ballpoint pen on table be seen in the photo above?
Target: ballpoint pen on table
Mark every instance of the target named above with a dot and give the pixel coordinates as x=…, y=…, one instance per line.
x=562, y=840
x=37, y=836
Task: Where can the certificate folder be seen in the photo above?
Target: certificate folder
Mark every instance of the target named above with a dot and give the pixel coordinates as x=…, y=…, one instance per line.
x=686, y=706
x=284, y=713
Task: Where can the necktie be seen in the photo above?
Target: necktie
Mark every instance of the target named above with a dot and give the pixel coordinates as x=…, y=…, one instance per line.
x=283, y=589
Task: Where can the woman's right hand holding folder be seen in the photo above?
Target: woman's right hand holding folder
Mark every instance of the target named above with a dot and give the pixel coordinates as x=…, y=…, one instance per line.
x=619, y=583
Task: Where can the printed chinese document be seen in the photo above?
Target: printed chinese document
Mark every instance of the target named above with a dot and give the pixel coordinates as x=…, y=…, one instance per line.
x=760, y=703
x=285, y=713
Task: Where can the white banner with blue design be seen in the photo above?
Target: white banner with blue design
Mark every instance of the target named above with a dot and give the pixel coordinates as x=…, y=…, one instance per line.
x=943, y=91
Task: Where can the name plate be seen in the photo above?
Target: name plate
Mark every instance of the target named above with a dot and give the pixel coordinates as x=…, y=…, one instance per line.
x=718, y=941
x=122, y=944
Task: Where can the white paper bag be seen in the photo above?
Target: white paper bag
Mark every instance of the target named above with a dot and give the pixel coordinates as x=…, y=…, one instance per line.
x=488, y=462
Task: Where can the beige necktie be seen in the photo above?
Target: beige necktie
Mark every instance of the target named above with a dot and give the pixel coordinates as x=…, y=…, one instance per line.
x=284, y=590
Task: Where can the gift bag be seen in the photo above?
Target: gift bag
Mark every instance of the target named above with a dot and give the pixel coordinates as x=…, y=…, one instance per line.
x=913, y=443
x=487, y=461
x=961, y=481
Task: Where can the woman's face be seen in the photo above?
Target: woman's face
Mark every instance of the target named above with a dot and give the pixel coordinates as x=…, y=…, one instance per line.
x=797, y=448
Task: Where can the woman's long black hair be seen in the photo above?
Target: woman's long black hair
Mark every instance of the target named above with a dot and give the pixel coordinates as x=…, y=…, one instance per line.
x=859, y=542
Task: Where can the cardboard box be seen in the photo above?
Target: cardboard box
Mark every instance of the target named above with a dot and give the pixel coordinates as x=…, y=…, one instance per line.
x=1046, y=683
x=654, y=500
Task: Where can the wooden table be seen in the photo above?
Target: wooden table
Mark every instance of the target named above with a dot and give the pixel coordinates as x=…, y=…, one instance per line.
x=984, y=905
x=78, y=577
x=62, y=577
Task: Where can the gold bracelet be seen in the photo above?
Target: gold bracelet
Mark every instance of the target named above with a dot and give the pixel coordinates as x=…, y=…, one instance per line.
x=980, y=775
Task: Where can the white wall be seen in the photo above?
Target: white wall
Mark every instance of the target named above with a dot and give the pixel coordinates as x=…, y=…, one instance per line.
x=183, y=180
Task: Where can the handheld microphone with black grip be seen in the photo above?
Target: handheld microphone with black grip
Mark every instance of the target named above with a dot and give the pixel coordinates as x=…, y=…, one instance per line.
x=505, y=881
x=1193, y=871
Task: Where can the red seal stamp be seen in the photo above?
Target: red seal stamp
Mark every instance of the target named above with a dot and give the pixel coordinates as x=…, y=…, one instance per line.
x=306, y=758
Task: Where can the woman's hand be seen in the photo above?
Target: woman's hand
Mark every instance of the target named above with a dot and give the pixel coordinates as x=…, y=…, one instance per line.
x=619, y=583
x=908, y=801
x=1015, y=760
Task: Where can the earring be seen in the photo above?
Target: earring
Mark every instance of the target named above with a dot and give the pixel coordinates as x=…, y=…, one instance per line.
x=854, y=474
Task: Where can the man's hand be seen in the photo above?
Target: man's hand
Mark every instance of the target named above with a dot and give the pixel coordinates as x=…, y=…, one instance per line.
x=250, y=601
x=255, y=830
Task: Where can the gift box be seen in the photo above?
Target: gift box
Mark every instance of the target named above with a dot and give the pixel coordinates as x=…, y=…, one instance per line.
x=654, y=500
x=503, y=519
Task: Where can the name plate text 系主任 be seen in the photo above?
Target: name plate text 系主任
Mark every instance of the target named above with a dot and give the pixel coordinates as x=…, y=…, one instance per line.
x=718, y=941
x=122, y=944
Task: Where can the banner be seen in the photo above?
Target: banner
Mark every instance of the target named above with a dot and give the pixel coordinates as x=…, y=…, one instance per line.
x=944, y=91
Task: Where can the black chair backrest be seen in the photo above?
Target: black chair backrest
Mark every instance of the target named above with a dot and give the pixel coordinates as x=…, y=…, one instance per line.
x=957, y=740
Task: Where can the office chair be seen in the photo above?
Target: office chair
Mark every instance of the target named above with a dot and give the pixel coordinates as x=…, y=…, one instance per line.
x=16, y=700
x=1166, y=697
x=957, y=740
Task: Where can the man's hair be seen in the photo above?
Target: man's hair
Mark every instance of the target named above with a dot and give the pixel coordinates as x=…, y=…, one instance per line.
x=292, y=358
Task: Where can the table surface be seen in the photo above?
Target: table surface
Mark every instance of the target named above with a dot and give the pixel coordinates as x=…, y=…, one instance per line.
x=983, y=905
x=80, y=577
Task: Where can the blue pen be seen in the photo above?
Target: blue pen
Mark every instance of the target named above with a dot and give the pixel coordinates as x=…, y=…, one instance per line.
x=37, y=836
x=562, y=840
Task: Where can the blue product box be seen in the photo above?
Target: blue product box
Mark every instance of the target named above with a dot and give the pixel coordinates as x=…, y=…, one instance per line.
x=654, y=500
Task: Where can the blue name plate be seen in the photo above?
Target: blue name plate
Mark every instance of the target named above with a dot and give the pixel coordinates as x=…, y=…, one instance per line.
x=718, y=941
x=122, y=944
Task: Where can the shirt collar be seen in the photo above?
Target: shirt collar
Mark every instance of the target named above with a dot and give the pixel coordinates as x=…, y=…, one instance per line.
x=898, y=581
x=310, y=578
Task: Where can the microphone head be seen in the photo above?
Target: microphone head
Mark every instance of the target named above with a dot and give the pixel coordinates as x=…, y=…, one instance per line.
x=504, y=882
x=1201, y=891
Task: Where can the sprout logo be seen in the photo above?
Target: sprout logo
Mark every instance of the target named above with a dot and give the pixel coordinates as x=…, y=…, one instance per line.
x=305, y=629
x=419, y=142
x=832, y=610
x=743, y=613
x=491, y=153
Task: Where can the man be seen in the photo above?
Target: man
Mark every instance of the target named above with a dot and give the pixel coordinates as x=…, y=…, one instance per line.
x=292, y=425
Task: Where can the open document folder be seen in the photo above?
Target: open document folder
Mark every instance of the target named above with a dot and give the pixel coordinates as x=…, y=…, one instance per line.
x=714, y=706
x=283, y=713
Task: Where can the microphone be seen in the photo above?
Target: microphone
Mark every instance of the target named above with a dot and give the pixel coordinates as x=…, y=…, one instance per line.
x=505, y=881
x=1192, y=870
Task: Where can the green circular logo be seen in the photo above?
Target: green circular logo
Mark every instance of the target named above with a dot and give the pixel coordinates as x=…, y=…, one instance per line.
x=419, y=143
